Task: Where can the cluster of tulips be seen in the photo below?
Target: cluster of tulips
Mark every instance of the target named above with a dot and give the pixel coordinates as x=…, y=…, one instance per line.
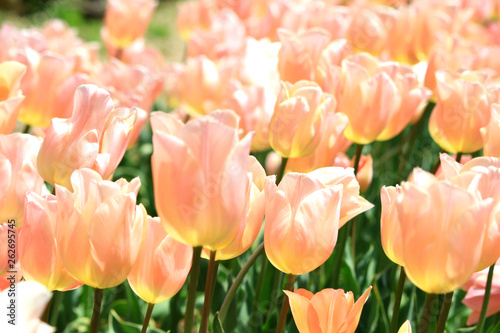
x=295, y=83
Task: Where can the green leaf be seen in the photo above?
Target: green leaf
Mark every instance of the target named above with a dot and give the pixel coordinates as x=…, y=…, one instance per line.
x=118, y=325
x=217, y=325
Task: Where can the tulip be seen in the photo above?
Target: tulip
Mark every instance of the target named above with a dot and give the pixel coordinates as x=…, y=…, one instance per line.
x=475, y=288
x=251, y=222
x=482, y=175
x=405, y=328
x=32, y=299
x=161, y=267
x=446, y=224
x=40, y=255
x=392, y=240
x=119, y=15
x=379, y=99
x=295, y=128
x=491, y=132
x=101, y=228
x=365, y=168
x=200, y=177
x=299, y=54
x=302, y=221
x=462, y=109
x=96, y=137
x=11, y=73
x=328, y=311
x=19, y=174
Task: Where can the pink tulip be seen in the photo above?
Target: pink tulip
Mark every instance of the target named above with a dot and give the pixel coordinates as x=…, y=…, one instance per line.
x=475, y=288
x=40, y=253
x=119, y=15
x=11, y=97
x=162, y=265
x=365, y=169
x=96, y=137
x=200, y=177
x=96, y=212
x=32, y=301
x=296, y=126
x=462, y=109
x=19, y=174
x=302, y=221
x=328, y=311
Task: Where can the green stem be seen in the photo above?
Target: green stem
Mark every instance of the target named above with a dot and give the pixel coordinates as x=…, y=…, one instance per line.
x=57, y=299
x=147, y=318
x=397, y=301
x=281, y=171
x=427, y=313
x=459, y=157
x=46, y=312
x=486, y=300
x=209, y=287
x=96, y=312
x=27, y=129
x=343, y=232
x=192, y=288
x=445, y=309
x=357, y=157
x=239, y=279
x=284, y=305
x=260, y=280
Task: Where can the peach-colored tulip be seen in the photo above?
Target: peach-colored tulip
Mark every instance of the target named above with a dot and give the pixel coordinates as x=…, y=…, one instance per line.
x=299, y=54
x=331, y=143
x=95, y=137
x=200, y=177
x=392, y=239
x=379, y=99
x=10, y=250
x=40, y=255
x=162, y=265
x=462, y=109
x=11, y=73
x=481, y=174
x=295, y=128
x=328, y=311
x=251, y=223
x=475, y=288
x=302, y=221
x=194, y=14
x=447, y=224
x=32, y=299
x=491, y=133
x=127, y=20
x=18, y=174
x=101, y=229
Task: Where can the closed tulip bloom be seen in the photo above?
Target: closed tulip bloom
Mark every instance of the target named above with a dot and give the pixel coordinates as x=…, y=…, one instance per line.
x=101, y=228
x=462, y=109
x=18, y=174
x=328, y=311
x=11, y=73
x=200, y=177
x=40, y=255
x=475, y=288
x=379, y=99
x=95, y=137
x=251, y=222
x=491, y=133
x=127, y=20
x=302, y=221
x=295, y=128
x=162, y=265
x=405, y=328
x=446, y=224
